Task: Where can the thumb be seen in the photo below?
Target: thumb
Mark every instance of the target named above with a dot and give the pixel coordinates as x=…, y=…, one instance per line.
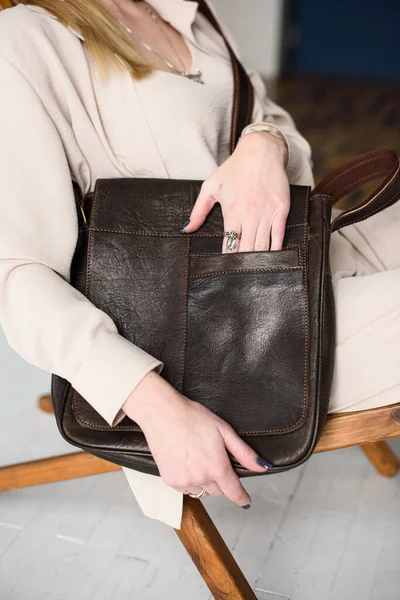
x=204, y=203
x=245, y=455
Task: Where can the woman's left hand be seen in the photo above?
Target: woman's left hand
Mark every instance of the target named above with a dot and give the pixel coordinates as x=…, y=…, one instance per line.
x=253, y=190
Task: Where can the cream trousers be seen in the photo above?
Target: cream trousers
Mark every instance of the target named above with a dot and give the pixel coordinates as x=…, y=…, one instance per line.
x=365, y=260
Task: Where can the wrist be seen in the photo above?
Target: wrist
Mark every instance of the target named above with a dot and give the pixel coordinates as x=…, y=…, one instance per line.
x=141, y=397
x=275, y=145
x=151, y=395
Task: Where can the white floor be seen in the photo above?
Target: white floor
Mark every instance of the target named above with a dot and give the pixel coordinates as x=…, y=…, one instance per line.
x=327, y=531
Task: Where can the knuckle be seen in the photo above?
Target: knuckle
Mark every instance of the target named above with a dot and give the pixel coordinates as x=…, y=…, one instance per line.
x=225, y=428
x=217, y=492
x=280, y=206
x=206, y=186
x=221, y=471
x=274, y=200
x=237, y=497
x=281, y=220
x=279, y=228
x=261, y=245
x=285, y=209
x=201, y=479
x=247, y=452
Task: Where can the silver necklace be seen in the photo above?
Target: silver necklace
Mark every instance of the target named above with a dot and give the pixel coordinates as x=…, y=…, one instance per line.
x=195, y=76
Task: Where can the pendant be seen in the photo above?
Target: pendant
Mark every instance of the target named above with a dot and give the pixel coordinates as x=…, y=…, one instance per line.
x=196, y=76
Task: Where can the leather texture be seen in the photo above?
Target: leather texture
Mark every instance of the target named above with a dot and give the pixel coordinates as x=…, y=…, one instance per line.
x=250, y=335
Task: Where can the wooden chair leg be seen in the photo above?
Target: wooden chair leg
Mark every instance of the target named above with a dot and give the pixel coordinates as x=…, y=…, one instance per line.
x=45, y=403
x=211, y=555
x=382, y=457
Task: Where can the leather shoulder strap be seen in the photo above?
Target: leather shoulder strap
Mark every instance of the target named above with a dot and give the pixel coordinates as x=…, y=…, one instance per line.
x=354, y=174
x=243, y=100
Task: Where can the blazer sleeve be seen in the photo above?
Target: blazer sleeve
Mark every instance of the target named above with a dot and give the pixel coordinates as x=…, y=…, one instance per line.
x=45, y=320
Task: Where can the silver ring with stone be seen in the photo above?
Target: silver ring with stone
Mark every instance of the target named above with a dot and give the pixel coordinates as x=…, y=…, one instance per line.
x=231, y=239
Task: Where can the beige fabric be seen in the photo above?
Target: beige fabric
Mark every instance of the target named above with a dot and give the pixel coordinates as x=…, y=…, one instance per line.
x=156, y=499
x=366, y=277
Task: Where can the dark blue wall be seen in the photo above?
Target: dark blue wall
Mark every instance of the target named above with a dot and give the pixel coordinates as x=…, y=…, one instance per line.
x=353, y=37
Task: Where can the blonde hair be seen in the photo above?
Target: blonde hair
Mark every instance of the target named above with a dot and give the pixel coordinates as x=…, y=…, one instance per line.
x=105, y=38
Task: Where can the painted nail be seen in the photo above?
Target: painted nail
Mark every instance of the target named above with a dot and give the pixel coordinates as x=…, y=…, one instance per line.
x=185, y=225
x=246, y=507
x=264, y=463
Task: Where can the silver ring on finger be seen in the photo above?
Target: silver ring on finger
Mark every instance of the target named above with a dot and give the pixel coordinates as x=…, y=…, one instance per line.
x=199, y=495
x=231, y=239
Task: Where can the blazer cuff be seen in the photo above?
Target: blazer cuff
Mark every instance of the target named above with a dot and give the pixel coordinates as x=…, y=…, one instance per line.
x=112, y=369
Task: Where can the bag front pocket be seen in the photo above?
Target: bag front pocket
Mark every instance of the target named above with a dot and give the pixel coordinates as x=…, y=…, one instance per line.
x=246, y=354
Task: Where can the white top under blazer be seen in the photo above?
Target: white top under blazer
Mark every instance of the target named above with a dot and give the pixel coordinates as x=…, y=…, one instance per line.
x=59, y=120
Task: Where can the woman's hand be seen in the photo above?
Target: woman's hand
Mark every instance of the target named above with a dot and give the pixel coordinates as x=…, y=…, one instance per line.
x=253, y=190
x=188, y=442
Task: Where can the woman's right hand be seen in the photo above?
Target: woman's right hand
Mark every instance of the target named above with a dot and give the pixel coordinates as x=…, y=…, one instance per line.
x=188, y=442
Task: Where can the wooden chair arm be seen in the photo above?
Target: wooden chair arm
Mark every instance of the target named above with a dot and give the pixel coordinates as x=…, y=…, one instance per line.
x=5, y=4
x=356, y=428
x=342, y=430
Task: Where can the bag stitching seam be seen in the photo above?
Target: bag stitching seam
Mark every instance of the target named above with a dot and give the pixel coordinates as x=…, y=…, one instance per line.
x=221, y=254
x=368, y=177
x=185, y=308
x=256, y=270
x=89, y=254
x=103, y=230
x=352, y=168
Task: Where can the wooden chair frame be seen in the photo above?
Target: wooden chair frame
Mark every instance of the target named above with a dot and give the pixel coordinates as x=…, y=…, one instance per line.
x=367, y=429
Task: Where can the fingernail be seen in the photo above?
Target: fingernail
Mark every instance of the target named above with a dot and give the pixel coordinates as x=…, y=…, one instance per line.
x=185, y=225
x=246, y=507
x=264, y=463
